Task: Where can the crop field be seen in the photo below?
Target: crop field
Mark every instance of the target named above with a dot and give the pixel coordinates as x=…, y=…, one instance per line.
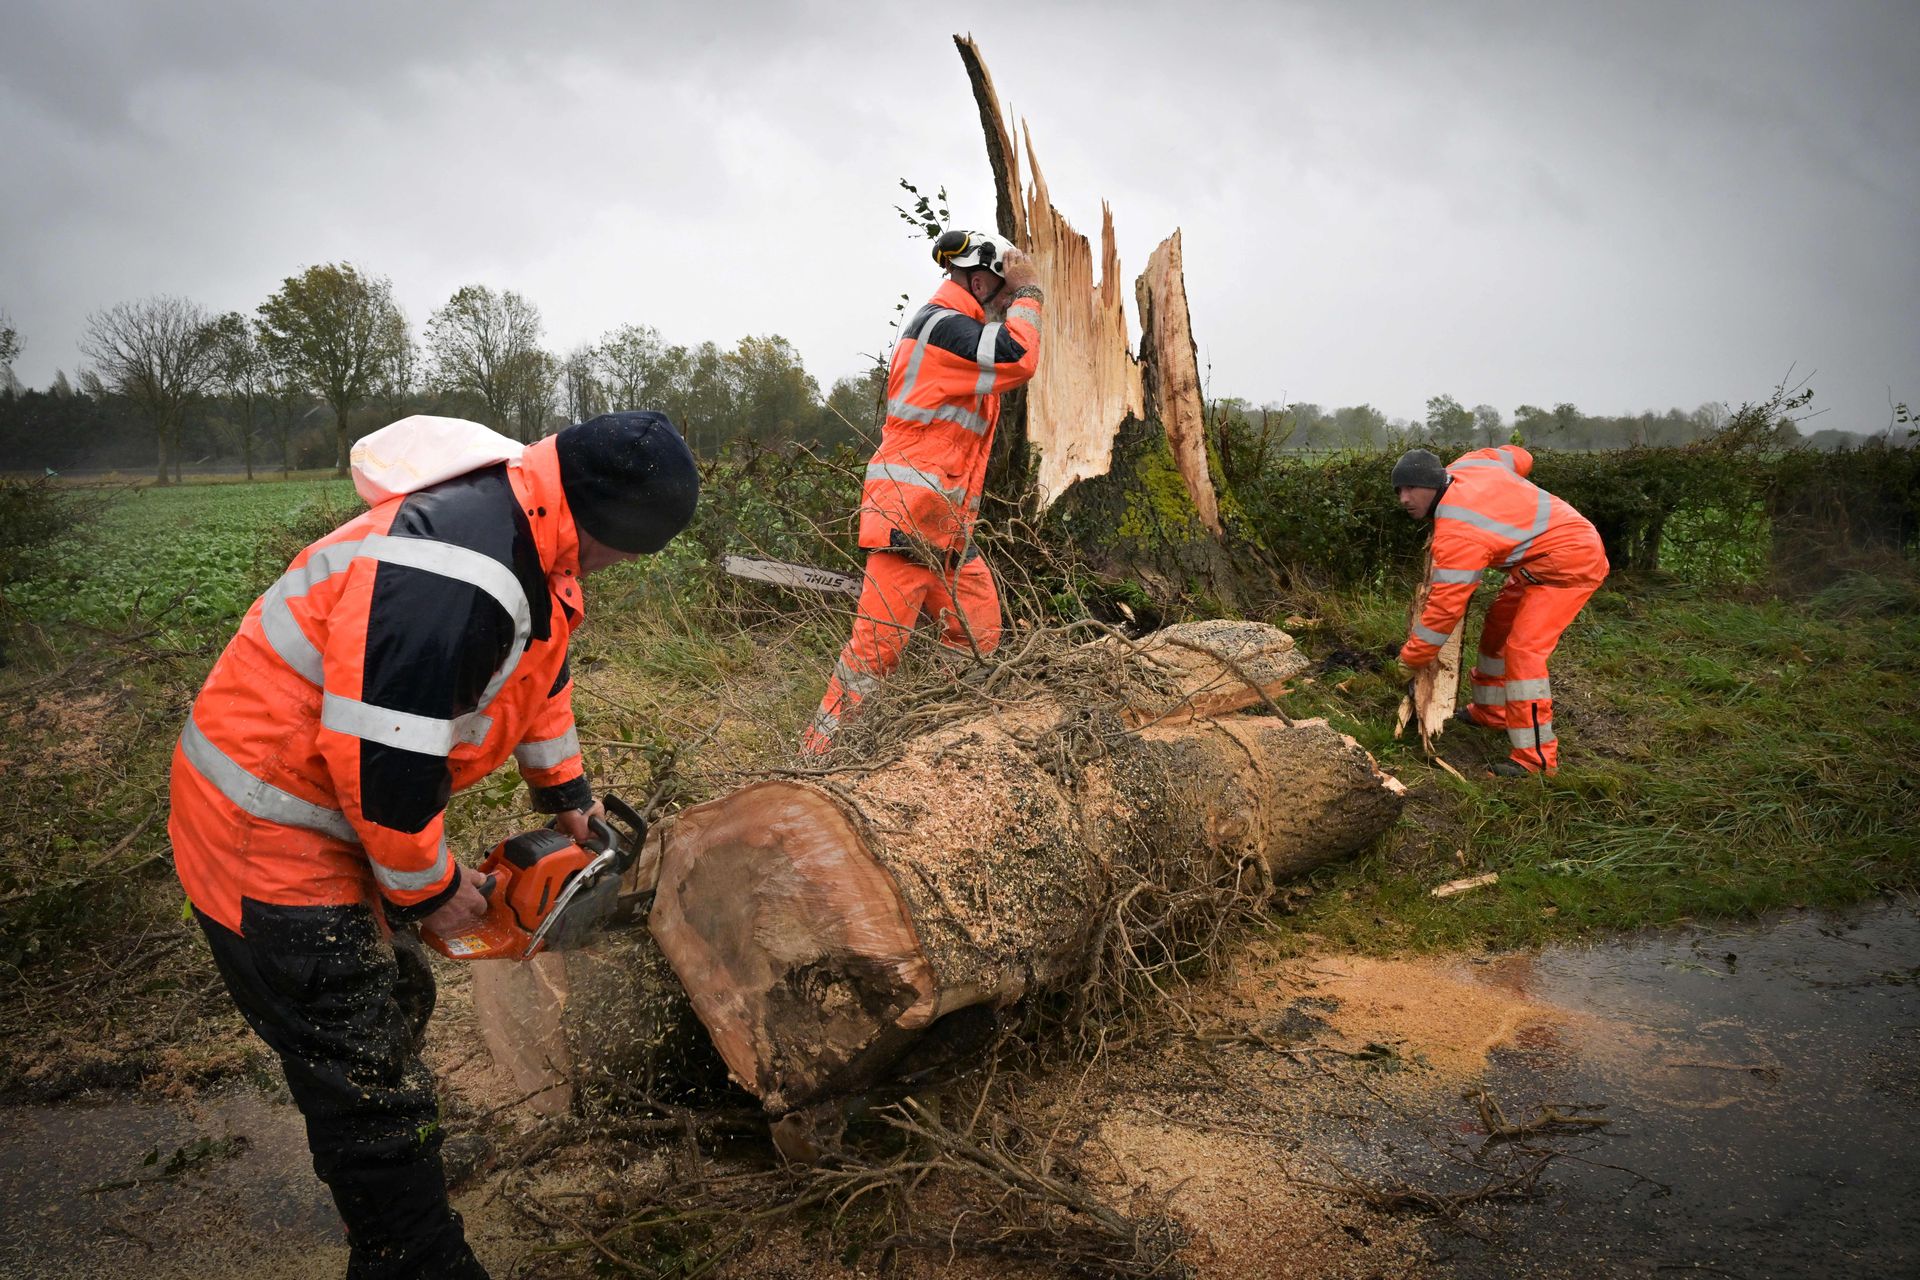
x=184, y=557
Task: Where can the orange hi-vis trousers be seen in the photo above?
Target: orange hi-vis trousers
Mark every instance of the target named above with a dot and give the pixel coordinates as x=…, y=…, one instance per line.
x=896, y=592
x=1510, y=686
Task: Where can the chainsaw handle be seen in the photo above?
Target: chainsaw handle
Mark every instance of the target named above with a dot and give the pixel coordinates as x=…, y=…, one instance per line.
x=632, y=820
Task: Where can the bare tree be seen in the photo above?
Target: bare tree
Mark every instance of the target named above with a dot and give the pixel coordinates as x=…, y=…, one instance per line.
x=243, y=372
x=580, y=387
x=9, y=350
x=398, y=378
x=628, y=361
x=335, y=330
x=530, y=387
x=159, y=354
x=1488, y=425
x=481, y=343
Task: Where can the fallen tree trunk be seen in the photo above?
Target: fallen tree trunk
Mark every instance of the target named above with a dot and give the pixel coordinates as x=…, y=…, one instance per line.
x=820, y=927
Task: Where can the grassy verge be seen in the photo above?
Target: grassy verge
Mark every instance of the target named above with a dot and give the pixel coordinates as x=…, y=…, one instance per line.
x=1723, y=753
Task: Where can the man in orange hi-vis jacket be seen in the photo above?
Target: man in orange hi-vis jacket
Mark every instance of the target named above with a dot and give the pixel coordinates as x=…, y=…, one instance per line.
x=977, y=337
x=402, y=657
x=1488, y=515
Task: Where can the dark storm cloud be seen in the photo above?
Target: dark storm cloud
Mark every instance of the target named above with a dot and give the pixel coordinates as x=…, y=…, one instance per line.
x=1628, y=206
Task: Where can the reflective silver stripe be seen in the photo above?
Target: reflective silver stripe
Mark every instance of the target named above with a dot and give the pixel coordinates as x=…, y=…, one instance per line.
x=388, y=727
x=918, y=332
x=1427, y=633
x=983, y=356
x=1521, y=690
x=1487, y=664
x=958, y=416
x=858, y=683
x=276, y=610
x=547, y=752
x=412, y=881
x=1457, y=575
x=1543, y=514
x=900, y=473
x=257, y=797
x=472, y=567
x=1026, y=305
x=1524, y=737
x=1467, y=515
x=824, y=724
x=1483, y=462
x=1490, y=695
x=283, y=633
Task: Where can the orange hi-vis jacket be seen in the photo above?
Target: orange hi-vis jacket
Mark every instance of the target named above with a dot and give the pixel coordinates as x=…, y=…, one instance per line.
x=400, y=658
x=943, y=401
x=1490, y=516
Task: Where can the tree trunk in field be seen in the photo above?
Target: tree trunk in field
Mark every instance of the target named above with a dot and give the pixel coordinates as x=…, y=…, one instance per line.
x=1113, y=449
x=821, y=927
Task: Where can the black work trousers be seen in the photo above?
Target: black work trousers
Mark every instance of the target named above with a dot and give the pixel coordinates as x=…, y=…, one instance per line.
x=346, y=1010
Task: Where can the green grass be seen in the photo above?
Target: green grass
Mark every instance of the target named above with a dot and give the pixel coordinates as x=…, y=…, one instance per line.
x=191, y=556
x=1721, y=755
x=1724, y=751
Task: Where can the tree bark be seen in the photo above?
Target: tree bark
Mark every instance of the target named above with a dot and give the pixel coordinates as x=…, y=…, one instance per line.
x=820, y=928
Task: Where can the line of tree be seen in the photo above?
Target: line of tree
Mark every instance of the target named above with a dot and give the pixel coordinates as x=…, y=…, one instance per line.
x=1251, y=434
x=330, y=355
x=332, y=349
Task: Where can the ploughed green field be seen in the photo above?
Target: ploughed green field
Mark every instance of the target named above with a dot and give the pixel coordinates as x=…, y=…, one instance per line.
x=1727, y=750
x=188, y=554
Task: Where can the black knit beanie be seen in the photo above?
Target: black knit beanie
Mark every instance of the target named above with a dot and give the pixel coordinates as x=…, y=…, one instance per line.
x=629, y=478
x=1419, y=469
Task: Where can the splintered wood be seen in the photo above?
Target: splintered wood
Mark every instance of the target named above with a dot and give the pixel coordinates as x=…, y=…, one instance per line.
x=1198, y=670
x=1177, y=398
x=1088, y=383
x=1428, y=704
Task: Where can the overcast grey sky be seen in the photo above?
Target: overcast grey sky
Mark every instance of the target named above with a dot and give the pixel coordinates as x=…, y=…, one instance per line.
x=1629, y=206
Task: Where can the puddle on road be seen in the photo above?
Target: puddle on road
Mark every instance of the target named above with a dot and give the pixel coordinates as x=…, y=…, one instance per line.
x=1763, y=1085
x=242, y=1192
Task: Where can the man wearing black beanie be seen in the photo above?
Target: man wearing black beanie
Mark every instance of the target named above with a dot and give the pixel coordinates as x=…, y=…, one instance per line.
x=401, y=658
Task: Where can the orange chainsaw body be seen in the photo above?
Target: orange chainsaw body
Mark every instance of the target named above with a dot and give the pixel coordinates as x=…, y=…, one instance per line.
x=529, y=871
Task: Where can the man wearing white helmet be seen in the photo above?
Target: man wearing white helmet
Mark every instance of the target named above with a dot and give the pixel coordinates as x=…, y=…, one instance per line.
x=977, y=337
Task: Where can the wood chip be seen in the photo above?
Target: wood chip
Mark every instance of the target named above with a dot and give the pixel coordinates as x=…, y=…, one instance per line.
x=1452, y=887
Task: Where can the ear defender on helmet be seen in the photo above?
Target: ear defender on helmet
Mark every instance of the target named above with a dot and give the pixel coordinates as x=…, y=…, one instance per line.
x=972, y=250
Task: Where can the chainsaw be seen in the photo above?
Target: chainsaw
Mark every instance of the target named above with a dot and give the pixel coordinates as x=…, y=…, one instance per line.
x=546, y=892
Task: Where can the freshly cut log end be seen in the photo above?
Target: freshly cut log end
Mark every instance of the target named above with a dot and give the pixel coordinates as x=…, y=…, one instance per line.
x=790, y=939
x=602, y=1026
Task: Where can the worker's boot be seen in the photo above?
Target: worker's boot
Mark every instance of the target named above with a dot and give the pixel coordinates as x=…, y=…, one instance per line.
x=1509, y=769
x=1465, y=716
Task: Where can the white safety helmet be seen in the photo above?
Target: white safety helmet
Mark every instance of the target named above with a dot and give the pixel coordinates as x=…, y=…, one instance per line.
x=973, y=250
